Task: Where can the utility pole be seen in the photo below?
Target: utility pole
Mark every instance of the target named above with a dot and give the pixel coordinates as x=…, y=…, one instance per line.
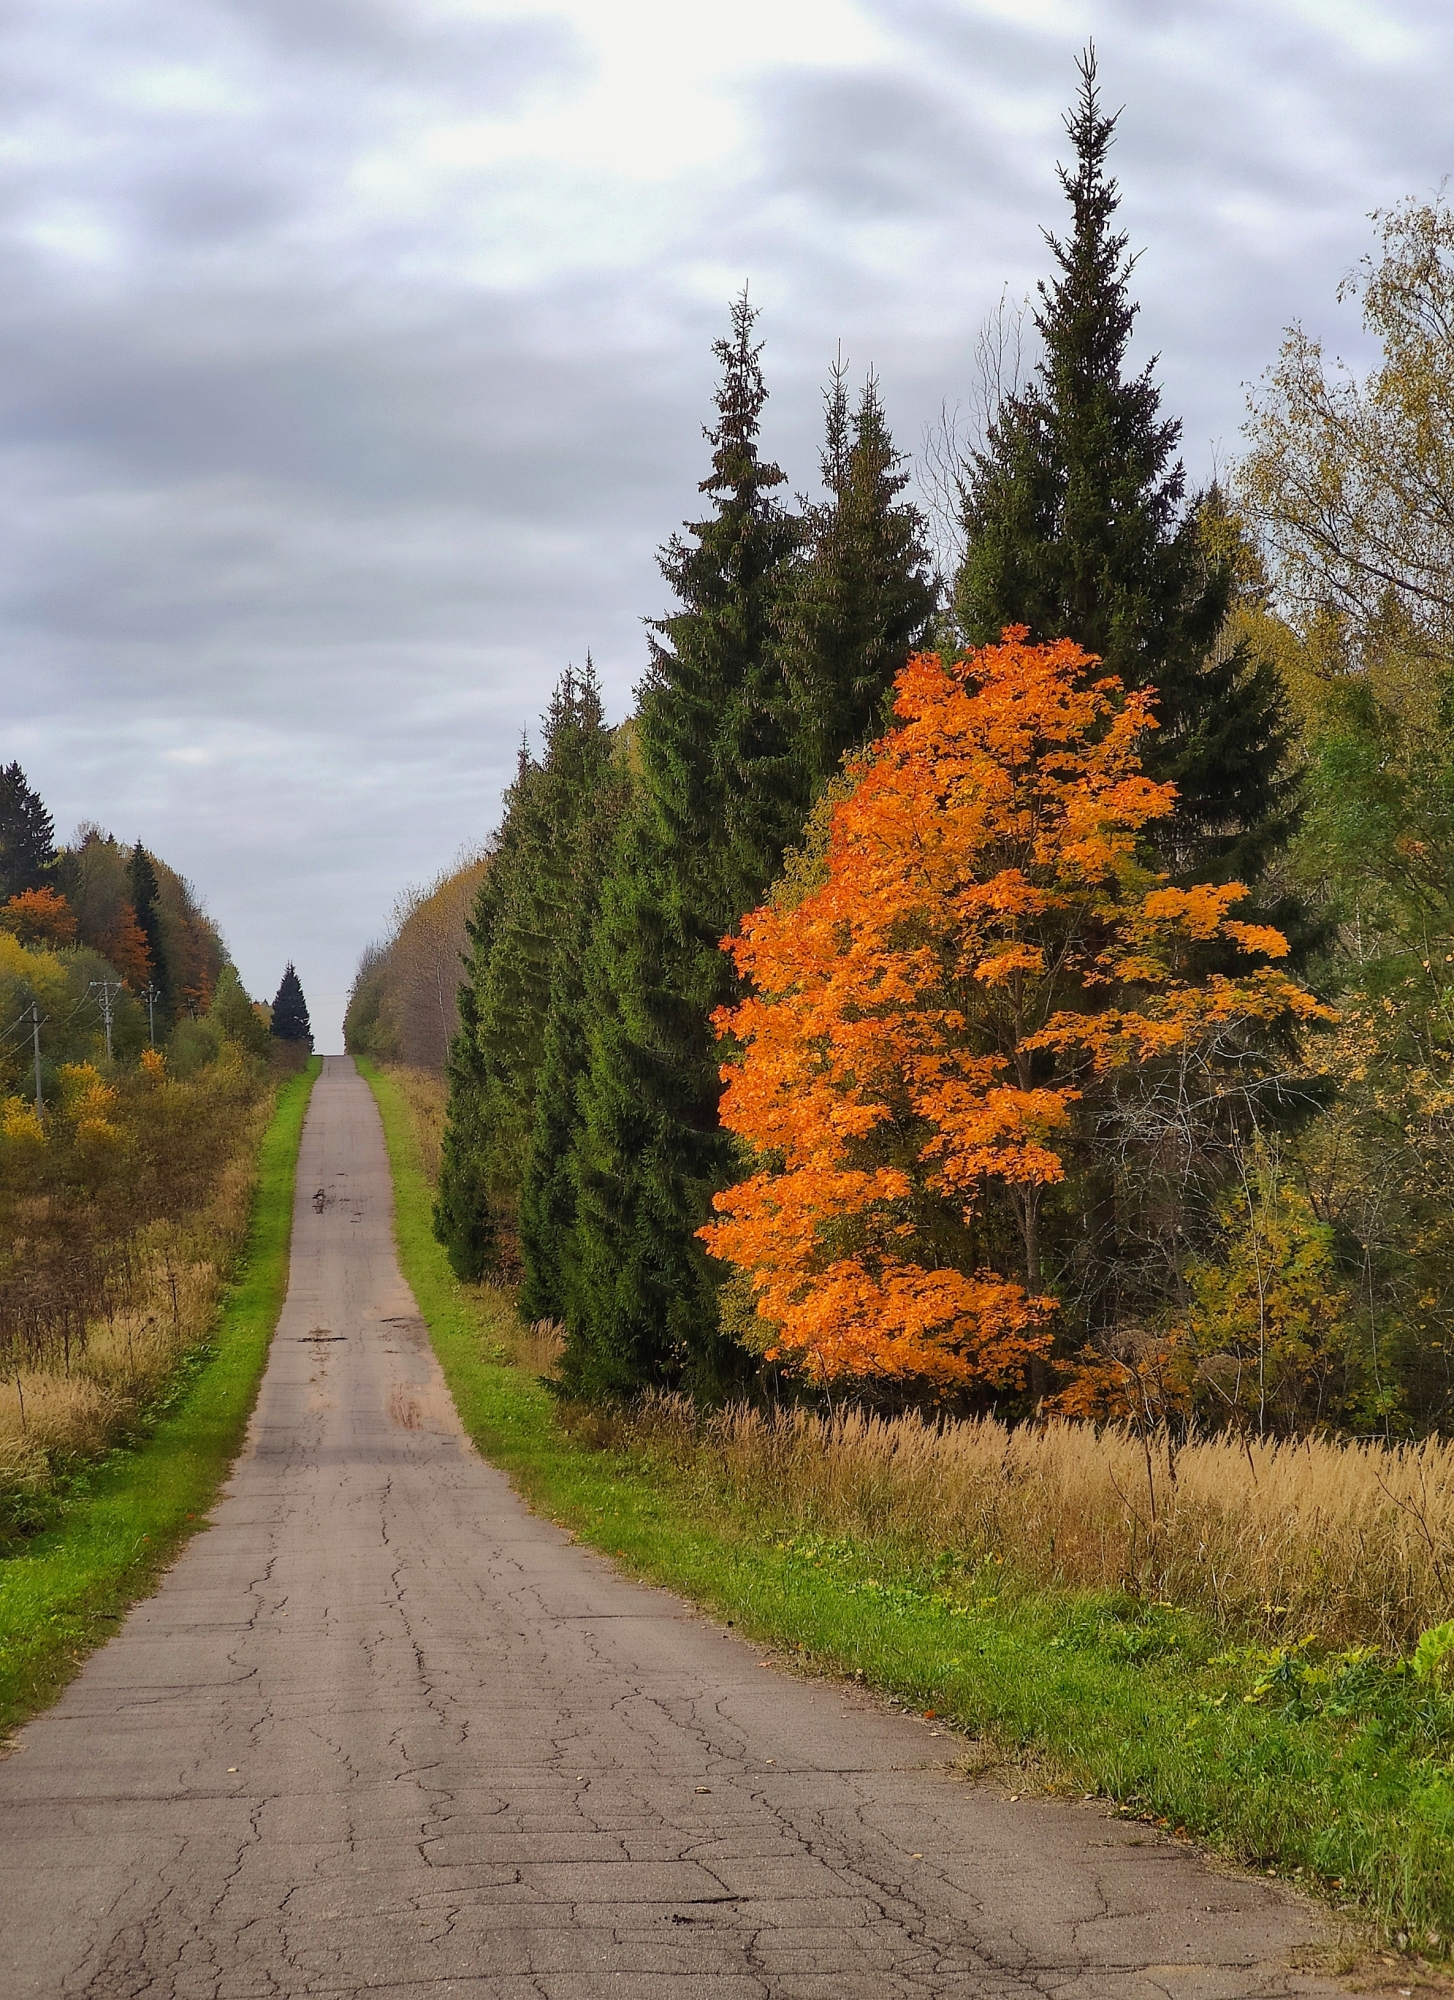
x=35, y=1037
x=151, y=996
x=108, y=987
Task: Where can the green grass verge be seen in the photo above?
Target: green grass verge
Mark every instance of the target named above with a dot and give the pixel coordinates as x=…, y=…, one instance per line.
x=62, y=1595
x=1339, y=1772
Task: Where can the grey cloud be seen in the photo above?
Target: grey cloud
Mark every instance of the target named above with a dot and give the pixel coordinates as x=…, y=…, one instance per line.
x=215, y=206
x=304, y=502
x=1252, y=144
x=876, y=148
x=476, y=63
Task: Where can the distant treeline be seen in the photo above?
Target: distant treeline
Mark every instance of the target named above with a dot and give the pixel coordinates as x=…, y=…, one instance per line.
x=403, y=1005
x=122, y=903
x=113, y=950
x=135, y=1077
x=1090, y=910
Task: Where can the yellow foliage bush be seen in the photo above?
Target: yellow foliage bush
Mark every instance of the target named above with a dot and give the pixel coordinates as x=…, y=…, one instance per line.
x=20, y=1127
x=119, y=1218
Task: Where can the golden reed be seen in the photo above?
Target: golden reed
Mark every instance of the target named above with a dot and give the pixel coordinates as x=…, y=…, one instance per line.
x=1354, y=1541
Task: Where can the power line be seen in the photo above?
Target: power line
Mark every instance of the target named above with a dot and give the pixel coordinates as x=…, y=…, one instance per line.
x=22, y=1025
x=107, y=991
x=21, y=1017
x=35, y=1032
x=16, y=1032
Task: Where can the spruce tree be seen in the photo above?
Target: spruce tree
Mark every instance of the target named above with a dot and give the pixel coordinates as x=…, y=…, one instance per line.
x=716, y=735
x=467, y=1202
x=1077, y=525
x=648, y=1152
x=290, y=1010
x=146, y=901
x=512, y=983
x=719, y=797
x=864, y=594
x=522, y=919
x=27, y=835
x=463, y=1219
x=548, y=1245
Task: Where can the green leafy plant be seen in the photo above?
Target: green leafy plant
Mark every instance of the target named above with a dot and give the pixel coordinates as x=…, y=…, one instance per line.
x=1434, y=1655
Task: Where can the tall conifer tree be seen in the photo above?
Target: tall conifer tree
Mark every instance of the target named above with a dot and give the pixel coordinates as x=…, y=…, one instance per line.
x=865, y=590
x=290, y=1021
x=466, y=1220
x=548, y=1246
x=715, y=735
x=27, y=835
x=1077, y=526
x=147, y=903
x=718, y=800
x=521, y=918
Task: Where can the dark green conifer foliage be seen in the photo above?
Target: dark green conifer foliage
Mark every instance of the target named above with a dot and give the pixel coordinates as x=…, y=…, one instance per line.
x=146, y=901
x=716, y=736
x=864, y=593
x=523, y=914
x=464, y=1221
x=719, y=799
x=649, y=1151
x=468, y=1203
x=549, y=1250
x=1076, y=526
x=27, y=835
x=512, y=983
x=290, y=1021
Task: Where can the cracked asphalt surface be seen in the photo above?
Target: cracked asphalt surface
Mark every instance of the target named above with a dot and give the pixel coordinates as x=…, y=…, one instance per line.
x=383, y=1731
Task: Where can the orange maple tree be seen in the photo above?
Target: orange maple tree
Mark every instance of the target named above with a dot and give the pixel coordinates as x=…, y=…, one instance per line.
x=39, y=916
x=920, y=1023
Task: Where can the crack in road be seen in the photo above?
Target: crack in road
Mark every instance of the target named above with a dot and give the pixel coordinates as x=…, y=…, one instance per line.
x=383, y=1731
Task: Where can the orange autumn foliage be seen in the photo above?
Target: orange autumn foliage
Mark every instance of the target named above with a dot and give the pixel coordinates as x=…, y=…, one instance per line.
x=1144, y=1387
x=125, y=946
x=923, y=1021
x=39, y=916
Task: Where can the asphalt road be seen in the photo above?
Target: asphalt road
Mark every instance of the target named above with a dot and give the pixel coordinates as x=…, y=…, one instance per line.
x=383, y=1731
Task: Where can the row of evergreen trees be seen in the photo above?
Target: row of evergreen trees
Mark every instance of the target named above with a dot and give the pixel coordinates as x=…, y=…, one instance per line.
x=583, y=1145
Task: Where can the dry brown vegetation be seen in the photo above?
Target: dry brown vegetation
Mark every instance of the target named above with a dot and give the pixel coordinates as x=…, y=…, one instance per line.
x=402, y=1009
x=122, y=1219
x=1354, y=1541
x=535, y=1348
x=426, y=1093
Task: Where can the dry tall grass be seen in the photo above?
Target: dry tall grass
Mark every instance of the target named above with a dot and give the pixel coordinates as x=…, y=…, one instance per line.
x=427, y=1096
x=1353, y=1541
x=535, y=1348
x=177, y=1271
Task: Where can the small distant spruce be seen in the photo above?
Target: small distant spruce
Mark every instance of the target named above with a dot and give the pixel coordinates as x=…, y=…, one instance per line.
x=290, y=1011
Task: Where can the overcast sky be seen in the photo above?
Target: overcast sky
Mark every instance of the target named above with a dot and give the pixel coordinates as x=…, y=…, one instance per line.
x=355, y=352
